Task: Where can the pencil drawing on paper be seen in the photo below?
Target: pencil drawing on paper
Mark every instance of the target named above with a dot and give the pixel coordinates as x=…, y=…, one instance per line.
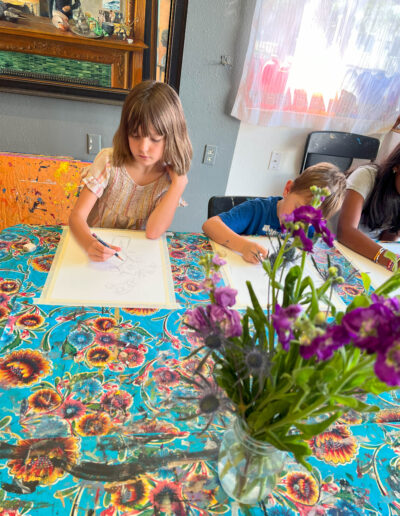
x=144, y=278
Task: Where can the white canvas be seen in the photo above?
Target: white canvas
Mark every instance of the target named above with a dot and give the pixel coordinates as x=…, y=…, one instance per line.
x=236, y=272
x=377, y=273
x=144, y=279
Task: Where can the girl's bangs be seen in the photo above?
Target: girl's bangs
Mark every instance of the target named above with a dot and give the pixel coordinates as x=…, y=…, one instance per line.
x=141, y=117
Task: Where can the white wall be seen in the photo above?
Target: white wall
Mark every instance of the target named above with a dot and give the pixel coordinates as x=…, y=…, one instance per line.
x=249, y=173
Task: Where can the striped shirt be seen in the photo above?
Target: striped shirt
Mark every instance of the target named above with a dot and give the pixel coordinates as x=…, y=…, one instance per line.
x=121, y=202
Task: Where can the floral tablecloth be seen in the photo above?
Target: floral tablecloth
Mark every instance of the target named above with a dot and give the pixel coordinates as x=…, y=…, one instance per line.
x=97, y=407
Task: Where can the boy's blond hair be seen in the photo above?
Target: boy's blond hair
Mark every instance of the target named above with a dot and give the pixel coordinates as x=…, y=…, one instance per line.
x=323, y=175
x=153, y=104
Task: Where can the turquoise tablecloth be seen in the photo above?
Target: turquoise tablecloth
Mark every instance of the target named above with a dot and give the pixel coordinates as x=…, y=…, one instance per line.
x=90, y=421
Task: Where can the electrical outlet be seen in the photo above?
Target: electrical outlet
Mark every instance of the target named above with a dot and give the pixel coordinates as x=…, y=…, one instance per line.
x=210, y=153
x=275, y=160
x=93, y=143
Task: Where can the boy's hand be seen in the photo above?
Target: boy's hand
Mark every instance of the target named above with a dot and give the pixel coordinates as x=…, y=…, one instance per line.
x=99, y=253
x=253, y=252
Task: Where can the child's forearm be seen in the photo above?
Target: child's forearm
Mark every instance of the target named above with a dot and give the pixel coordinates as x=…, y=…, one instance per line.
x=222, y=234
x=80, y=230
x=362, y=244
x=162, y=216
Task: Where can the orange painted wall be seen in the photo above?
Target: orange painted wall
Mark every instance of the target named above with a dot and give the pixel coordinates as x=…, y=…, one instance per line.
x=37, y=189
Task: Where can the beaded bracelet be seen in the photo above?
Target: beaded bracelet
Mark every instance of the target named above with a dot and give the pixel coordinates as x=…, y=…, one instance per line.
x=380, y=251
x=390, y=265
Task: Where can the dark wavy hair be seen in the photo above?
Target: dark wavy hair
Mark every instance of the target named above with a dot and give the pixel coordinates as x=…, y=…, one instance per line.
x=382, y=208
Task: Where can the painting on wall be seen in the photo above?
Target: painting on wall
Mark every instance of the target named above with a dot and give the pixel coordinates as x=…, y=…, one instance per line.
x=86, y=49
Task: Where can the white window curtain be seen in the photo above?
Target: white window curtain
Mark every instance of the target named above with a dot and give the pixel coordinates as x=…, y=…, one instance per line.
x=323, y=65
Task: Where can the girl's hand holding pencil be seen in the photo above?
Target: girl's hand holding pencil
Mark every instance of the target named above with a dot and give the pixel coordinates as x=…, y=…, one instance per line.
x=100, y=251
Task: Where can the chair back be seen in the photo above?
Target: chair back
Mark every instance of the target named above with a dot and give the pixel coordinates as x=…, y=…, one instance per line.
x=338, y=148
x=219, y=204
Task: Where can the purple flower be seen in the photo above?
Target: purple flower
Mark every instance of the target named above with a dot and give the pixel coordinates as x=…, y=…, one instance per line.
x=306, y=243
x=225, y=296
x=214, y=320
x=227, y=320
x=197, y=319
x=217, y=260
x=233, y=324
x=283, y=320
x=370, y=327
x=392, y=303
x=324, y=345
x=313, y=216
x=387, y=365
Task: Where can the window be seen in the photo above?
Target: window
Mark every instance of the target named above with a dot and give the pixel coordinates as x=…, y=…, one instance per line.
x=323, y=64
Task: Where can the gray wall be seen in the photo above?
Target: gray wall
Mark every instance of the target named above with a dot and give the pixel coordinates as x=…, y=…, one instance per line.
x=40, y=125
x=213, y=28
x=55, y=127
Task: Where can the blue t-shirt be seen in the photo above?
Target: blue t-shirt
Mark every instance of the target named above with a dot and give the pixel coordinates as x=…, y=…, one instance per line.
x=250, y=217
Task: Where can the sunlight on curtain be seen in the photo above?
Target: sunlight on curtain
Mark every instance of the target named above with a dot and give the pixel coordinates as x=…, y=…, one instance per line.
x=323, y=65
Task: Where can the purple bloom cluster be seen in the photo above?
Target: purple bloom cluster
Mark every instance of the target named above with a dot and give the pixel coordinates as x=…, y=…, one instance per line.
x=283, y=320
x=375, y=329
x=303, y=217
x=216, y=319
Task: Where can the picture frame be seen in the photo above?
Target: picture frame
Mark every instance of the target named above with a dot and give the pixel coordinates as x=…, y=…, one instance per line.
x=37, y=57
x=166, y=35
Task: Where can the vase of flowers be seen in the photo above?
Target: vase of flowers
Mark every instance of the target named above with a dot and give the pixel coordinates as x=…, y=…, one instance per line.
x=248, y=468
x=288, y=373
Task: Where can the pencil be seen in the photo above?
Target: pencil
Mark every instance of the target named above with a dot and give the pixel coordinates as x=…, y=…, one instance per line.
x=106, y=245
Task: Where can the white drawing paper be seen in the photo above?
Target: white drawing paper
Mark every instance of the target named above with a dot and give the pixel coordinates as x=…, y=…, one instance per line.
x=236, y=272
x=143, y=279
x=377, y=273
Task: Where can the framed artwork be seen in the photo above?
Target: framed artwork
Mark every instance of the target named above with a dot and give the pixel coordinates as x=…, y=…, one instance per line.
x=166, y=24
x=82, y=49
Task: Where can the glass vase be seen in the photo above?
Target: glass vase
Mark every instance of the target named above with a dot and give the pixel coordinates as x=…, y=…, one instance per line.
x=248, y=469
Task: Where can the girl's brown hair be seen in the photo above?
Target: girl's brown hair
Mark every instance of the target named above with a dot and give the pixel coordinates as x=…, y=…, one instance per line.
x=152, y=104
x=323, y=175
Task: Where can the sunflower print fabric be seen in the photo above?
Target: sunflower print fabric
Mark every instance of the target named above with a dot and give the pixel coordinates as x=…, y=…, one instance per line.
x=97, y=407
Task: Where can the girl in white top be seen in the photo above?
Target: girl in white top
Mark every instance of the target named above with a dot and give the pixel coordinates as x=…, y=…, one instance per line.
x=371, y=209
x=138, y=183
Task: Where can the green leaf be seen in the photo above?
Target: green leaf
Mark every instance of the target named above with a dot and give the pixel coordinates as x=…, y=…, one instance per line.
x=122, y=455
x=68, y=349
x=302, y=375
x=27, y=507
x=45, y=341
x=5, y=421
x=12, y=345
x=267, y=267
x=366, y=281
x=359, y=301
x=313, y=429
x=63, y=493
x=308, y=282
x=107, y=499
x=144, y=332
x=393, y=283
x=347, y=401
x=290, y=282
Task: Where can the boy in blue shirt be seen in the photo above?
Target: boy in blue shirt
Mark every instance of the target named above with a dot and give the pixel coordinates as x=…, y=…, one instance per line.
x=258, y=216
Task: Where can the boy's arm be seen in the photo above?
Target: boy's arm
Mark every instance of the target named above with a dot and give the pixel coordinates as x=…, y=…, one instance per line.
x=218, y=231
x=161, y=217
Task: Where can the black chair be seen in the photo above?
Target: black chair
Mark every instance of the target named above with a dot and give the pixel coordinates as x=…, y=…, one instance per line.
x=219, y=204
x=338, y=148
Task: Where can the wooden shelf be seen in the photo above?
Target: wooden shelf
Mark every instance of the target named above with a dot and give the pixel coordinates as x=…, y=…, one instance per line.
x=37, y=35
